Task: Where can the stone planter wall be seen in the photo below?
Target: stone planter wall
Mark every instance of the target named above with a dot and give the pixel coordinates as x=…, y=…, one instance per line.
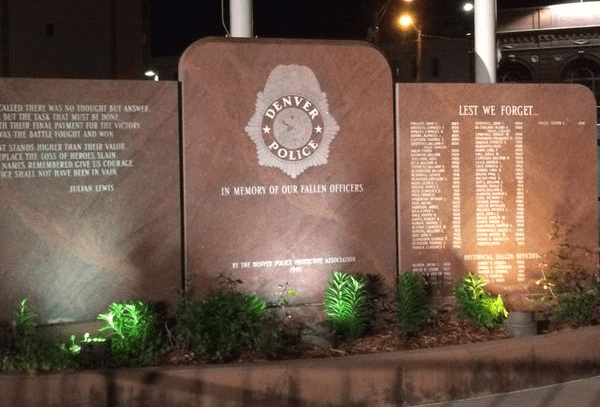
x=392, y=379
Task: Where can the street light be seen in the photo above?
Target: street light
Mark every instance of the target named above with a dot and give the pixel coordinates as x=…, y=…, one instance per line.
x=405, y=21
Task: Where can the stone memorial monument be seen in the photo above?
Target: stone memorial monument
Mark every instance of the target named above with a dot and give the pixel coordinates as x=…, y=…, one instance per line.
x=288, y=164
x=289, y=171
x=489, y=173
x=89, y=188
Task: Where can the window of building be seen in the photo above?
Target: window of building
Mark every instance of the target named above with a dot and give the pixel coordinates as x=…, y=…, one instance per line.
x=49, y=30
x=514, y=72
x=584, y=72
x=435, y=67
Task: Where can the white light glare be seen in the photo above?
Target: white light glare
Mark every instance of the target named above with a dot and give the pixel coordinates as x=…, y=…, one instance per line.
x=468, y=7
x=151, y=74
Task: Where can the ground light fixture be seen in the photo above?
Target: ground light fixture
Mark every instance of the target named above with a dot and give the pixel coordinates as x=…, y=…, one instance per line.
x=151, y=74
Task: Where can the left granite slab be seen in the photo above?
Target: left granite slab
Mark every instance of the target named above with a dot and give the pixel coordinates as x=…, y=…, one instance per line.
x=89, y=191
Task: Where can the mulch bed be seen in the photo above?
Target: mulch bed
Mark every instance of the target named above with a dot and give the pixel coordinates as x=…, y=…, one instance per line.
x=385, y=336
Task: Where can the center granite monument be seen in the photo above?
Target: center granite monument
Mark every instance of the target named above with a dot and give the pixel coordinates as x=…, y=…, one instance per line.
x=288, y=163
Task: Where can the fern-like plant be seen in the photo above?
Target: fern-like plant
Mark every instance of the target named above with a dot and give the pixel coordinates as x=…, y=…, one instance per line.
x=346, y=304
x=413, y=304
x=475, y=305
x=24, y=324
x=134, y=331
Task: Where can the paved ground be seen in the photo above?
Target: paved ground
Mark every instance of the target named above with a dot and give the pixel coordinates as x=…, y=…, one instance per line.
x=577, y=393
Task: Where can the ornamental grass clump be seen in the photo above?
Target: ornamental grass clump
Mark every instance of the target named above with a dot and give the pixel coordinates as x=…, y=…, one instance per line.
x=475, y=305
x=413, y=304
x=346, y=304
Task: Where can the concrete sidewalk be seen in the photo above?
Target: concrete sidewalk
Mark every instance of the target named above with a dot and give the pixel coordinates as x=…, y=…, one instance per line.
x=576, y=393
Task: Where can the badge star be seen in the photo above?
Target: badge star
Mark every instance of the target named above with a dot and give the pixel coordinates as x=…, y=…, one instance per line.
x=318, y=129
x=266, y=129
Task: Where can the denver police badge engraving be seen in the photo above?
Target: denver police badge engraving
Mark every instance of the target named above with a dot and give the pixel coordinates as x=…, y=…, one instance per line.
x=292, y=127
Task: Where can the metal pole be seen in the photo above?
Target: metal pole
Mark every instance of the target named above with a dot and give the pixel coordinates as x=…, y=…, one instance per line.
x=485, y=41
x=240, y=18
x=419, y=55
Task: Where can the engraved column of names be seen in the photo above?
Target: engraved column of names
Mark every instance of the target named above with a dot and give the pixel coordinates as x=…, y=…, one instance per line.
x=455, y=164
x=520, y=191
x=427, y=172
x=520, y=198
x=439, y=274
x=493, y=228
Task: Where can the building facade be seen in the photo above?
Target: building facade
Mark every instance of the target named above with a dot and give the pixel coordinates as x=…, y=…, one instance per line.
x=100, y=39
x=443, y=60
x=553, y=44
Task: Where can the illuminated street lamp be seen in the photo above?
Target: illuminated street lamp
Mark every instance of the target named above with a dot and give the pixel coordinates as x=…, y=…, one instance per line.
x=405, y=21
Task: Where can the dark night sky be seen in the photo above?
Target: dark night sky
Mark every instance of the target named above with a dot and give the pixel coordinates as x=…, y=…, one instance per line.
x=175, y=24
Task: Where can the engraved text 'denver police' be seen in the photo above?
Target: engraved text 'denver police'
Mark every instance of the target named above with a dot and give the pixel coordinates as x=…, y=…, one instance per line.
x=292, y=127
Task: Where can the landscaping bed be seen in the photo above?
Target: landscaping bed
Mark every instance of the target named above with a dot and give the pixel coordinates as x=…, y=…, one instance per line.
x=357, y=317
x=226, y=360
x=446, y=329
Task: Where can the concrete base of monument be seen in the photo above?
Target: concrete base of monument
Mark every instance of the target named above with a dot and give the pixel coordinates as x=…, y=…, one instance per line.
x=309, y=314
x=64, y=331
x=388, y=379
x=521, y=323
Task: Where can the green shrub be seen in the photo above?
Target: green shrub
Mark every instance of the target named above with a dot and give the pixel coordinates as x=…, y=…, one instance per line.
x=282, y=295
x=31, y=350
x=570, y=287
x=346, y=304
x=224, y=324
x=135, y=336
x=576, y=308
x=412, y=302
x=475, y=305
x=566, y=268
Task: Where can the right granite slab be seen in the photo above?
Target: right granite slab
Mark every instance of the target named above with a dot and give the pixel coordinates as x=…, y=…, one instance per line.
x=494, y=179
